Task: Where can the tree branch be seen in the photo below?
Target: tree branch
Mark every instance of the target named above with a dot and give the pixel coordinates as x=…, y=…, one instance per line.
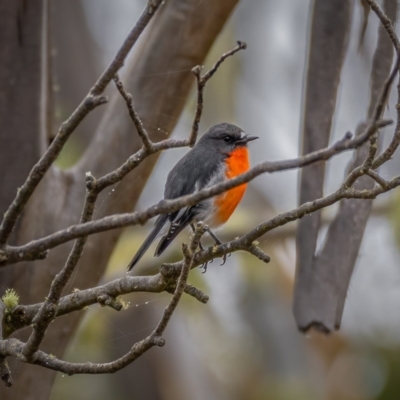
x=201, y=83
x=386, y=23
x=37, y=247
x=144, y=136
x=14, y=347
x=23, y=316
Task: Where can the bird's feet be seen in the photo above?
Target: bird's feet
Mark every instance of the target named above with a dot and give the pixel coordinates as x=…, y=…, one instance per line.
x=204, y=267
x=201, y=247
x=218, y=242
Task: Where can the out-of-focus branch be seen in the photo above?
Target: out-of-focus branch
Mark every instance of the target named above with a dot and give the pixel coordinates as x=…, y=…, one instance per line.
x=24, y=92
x=37, y=247
x=91, y=101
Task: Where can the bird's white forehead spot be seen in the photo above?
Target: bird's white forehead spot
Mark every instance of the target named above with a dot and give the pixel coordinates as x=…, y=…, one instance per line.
x=242, y=135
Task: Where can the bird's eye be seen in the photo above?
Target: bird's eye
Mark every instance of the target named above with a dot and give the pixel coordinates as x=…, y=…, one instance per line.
x=228, y=139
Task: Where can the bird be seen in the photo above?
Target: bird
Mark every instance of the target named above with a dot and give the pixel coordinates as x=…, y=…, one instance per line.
x=220, y=154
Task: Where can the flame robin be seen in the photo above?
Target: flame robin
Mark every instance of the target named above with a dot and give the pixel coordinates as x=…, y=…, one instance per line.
x=220, y=154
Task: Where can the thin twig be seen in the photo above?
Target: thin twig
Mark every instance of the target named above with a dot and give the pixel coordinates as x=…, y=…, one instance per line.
x=388, y=153
x=378, y=179
x=91, y=101
x=201, y=83
x=144, y=136
x=134, y=160
x=256, y=251
x=386, y=22
x=188, y=253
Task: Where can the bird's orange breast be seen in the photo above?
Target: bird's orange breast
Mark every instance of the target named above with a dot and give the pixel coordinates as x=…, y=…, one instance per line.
x=236, y=164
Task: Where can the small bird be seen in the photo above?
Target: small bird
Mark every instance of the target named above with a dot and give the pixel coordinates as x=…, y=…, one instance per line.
x=220, y=154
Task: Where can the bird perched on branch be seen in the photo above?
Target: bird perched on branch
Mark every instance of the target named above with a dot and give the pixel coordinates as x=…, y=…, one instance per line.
x=220, y=154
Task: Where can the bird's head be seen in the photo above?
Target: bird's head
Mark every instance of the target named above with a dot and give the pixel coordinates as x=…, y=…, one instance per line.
x=226, y=137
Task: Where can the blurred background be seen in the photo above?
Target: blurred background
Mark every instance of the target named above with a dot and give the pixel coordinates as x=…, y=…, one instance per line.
x=244, y=344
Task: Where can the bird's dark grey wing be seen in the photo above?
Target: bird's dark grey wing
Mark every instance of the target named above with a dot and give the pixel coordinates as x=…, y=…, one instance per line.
x=193, y=172
x=175, y=229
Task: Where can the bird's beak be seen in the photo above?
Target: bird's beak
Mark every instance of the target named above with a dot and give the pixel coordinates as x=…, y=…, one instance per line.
x=245, y=140
x=249, y=138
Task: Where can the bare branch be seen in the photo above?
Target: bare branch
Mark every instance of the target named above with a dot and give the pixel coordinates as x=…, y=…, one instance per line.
x=256, y=251
x=172, y=277
x=12, y=254
x=112, y=302
x=188, y=253
x=14, y=347
x=144, y=136
x=135, y=160
x=388, y=153
x=386, y=22
x=91, y=101
x=23, y=315
x=378, y=179
x=105, y=295
x=246, y=241
x=201, y=83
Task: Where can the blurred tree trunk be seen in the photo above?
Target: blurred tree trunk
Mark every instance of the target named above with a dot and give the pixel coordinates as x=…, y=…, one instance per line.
x=323, y=278
x=330, y=30
x=76, y=65
x=22, y=112
x=179, y=38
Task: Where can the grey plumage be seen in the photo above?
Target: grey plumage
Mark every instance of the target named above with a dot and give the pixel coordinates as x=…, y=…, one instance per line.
x=202, y=166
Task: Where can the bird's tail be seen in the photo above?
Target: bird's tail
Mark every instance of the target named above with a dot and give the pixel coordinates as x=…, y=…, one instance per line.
x=161, y=220
x=173, y=232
